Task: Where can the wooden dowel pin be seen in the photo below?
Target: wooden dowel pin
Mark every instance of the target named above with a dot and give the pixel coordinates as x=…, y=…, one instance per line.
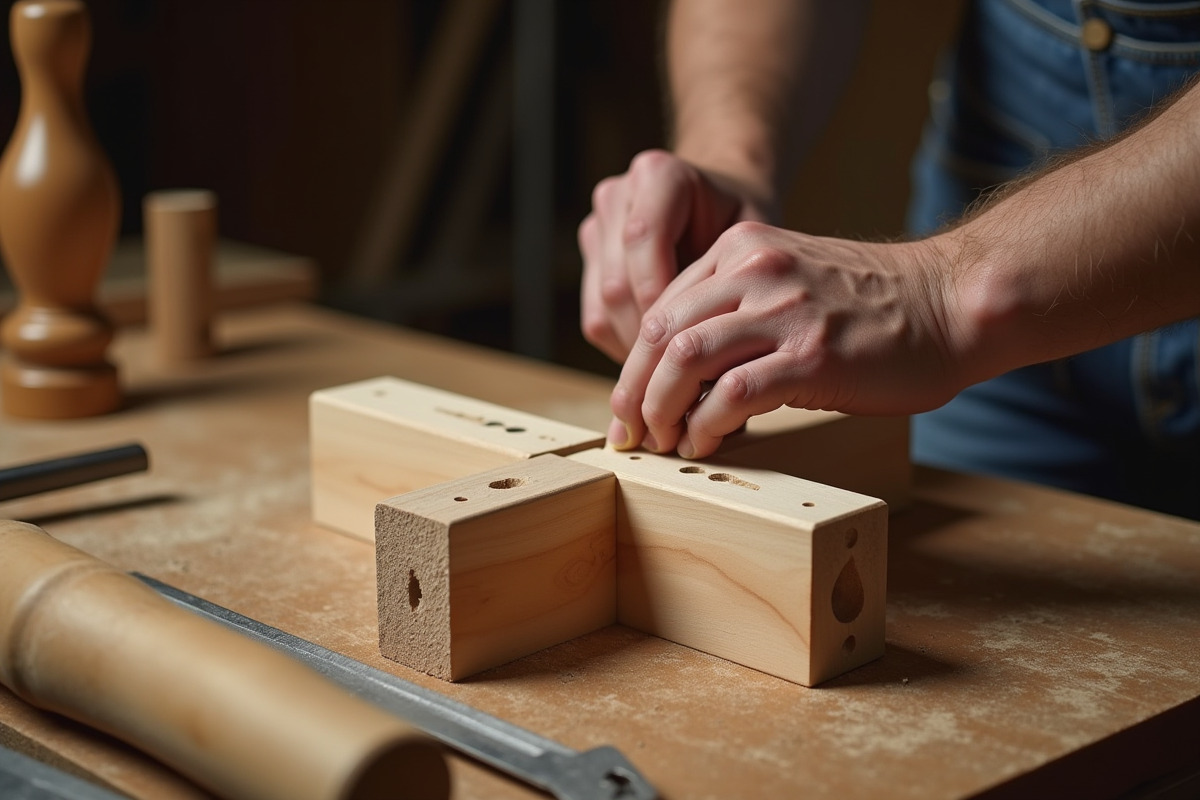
x=181, y=233
x=83, y=639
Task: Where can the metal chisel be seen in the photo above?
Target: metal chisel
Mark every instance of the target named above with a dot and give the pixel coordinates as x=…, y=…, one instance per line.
x=23, y=778
x=601, y=773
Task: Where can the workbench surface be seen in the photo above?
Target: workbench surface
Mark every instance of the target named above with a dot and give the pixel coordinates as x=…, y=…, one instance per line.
x=1037, y=643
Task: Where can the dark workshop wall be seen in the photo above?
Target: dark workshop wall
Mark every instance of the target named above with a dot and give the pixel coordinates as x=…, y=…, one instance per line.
x=288, y=109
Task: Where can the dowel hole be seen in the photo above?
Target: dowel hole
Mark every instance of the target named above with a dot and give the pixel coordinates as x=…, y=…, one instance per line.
x=725, y=477
x=849, y=644
x=851, y=537
x=515, y=430
x=691, y=470
x=460, y=499
x=414, y=590
x=635, y=458
x=848, y=596
x=507, y=483
x=808, y=504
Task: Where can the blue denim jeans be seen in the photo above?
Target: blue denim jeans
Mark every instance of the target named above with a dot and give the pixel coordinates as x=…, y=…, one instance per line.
x=1028, y=79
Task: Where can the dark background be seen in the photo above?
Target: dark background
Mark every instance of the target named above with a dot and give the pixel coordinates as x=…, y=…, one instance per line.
x=289, y=110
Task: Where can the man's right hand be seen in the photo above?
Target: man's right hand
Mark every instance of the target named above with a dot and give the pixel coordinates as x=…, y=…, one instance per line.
x=646, y=225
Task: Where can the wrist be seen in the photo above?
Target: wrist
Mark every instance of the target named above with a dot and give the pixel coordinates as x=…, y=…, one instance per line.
x=984, y=304
x=744, y=158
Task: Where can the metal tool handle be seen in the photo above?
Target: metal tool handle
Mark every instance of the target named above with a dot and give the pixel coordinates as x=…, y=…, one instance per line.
x=73, y=470
x=598, y=774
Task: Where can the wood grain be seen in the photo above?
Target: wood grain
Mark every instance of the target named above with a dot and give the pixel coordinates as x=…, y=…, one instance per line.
x=480, y=571
x=768, y=570
x=378, y=438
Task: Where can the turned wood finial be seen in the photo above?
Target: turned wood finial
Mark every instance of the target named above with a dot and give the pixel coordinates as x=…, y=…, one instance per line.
x=59, y=214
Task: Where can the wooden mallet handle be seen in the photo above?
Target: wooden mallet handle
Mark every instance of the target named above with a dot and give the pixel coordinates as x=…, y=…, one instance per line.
x=83, y=639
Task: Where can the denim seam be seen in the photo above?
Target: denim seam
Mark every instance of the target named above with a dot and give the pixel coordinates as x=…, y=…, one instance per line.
x=1149, y=9
x=1122, y=44
x=1065, y=30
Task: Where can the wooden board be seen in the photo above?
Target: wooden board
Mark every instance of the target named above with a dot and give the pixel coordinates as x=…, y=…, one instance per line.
x=767, y=570
x=483, y=570
x=868, y=455
x=374, y=439
x=1038, y=643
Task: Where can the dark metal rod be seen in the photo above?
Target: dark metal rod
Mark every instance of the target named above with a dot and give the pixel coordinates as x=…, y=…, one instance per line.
x=73, y=470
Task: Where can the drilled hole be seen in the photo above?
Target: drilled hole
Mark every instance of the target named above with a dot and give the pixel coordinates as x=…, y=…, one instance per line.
x=414, y=590
x=460, y=499
x=851, y=537
x=515, y=430
x=808, y=504
x=494, y=424
x=848, y=645
x=635, y=458
x=725, y=477
x=691, y=470
x=848, y=596
x=507, y=483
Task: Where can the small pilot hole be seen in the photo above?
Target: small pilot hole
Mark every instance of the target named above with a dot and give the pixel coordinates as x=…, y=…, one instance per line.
x=460, y=499
x=506, y=483
x=808, y=504
x=691, y=470
x=515, y=430
x=414, y=590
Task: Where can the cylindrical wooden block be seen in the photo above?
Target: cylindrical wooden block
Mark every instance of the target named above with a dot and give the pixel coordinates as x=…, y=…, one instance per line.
x=180, y=240
x=83, y=639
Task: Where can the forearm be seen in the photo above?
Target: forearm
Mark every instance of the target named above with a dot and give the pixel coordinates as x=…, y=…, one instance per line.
x=753, y=83
x=1101, y=248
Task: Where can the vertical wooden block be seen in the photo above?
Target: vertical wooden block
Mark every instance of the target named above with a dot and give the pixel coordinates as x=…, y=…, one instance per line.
x=479, y=571
x=774, y=572
x=382, y=437
x=868, y=455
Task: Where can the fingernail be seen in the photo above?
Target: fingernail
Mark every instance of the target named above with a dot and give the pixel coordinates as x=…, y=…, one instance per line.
x=685, y=449
x=618, y=434
x=650, y=443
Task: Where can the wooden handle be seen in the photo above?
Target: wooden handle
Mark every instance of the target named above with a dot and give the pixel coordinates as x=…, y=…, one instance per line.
x=83, y=639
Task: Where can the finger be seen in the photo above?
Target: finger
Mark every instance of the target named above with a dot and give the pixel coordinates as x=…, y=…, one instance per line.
x=657, y=329
x=594, y=318
x=693, y=359
x=746, y=390
x=661, y=202
x=613, y=289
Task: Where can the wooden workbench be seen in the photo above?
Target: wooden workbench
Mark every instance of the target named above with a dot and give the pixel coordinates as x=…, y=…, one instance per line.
x=1036, y=640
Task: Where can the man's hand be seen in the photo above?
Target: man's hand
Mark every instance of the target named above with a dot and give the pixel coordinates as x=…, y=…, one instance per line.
x=664, y=212
x=769, y=317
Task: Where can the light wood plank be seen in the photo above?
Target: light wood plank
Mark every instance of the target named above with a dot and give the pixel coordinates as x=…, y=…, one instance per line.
x=382, y=437
x=480, y=571
x=771, y=571
x=868, y=455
